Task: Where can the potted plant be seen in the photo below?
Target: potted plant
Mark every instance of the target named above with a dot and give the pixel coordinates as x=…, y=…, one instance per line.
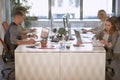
x=62, y=33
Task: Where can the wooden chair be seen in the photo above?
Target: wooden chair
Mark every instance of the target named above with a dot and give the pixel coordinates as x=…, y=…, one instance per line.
x=5, y=25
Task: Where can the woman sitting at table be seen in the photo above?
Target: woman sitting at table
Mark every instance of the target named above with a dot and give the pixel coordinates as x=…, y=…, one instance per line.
x=102, y=16
x=109, y=36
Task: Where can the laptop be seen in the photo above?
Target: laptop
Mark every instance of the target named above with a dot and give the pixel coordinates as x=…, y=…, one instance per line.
x=78, y=36
x=44, y=33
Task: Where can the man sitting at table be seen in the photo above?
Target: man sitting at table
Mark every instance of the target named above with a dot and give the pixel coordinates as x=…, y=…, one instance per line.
x=21, y=28
x=13, y=38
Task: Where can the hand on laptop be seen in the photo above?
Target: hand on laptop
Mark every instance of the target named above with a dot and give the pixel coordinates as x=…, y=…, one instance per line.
x=105, y=42
x=31, y=41
x=102, y=41
x=79, y=42
x=33, y=36
x=84, y=30
x=32, y=30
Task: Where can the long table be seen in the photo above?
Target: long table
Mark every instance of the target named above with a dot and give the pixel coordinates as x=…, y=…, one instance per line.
x=78, y=63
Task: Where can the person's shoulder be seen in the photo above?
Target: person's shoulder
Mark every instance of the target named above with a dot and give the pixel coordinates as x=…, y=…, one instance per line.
x=116, y=33
x=13, y=25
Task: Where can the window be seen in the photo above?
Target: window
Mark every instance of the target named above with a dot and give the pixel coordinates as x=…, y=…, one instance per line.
x=39, y=8
x=43, y=9
x=61, y=7
x=91, y=7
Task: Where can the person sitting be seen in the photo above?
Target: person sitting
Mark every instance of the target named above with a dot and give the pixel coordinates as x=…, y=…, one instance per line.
x=13, y=37
x=109, y=36
x=21, y=27
x=115, y=64
x=102, y=16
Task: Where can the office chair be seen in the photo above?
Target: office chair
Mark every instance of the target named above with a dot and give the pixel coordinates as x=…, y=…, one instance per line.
x=5, y=25
x=6, y=60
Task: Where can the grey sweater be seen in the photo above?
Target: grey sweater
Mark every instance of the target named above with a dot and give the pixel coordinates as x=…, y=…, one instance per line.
x=113, y=40
x=116, y=48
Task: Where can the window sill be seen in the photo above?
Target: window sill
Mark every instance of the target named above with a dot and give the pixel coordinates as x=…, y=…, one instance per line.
x=76, y=20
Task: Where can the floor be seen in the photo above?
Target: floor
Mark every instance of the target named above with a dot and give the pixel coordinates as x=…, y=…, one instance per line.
x=2, y=66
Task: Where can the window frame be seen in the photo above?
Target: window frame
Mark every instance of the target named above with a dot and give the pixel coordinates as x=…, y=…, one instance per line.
x=80, y=9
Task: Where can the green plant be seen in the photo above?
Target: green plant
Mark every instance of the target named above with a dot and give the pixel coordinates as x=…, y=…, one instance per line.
x=28, y=21
x=62, y=31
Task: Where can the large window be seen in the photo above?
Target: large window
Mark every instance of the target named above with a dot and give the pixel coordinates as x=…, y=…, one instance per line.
x=91, y=7
x=39, y=8
x=61, y=7
x=77, y=9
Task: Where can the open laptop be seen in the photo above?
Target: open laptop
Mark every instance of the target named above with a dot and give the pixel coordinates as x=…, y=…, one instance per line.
x=44, y=33
x=78, y=36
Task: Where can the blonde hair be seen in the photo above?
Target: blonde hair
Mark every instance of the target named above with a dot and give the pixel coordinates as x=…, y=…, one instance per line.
x=103, y=13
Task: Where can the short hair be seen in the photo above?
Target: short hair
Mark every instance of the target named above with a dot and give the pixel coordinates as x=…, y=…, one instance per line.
x=18, y=13
x=21, y=8
x=103, y=12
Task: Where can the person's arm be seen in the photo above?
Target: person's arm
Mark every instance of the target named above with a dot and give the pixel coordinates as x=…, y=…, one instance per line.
x=111, y=41
x=20, y=42
x=106, y=43
x=16, y=38
x=29, y=36
x=99, y=35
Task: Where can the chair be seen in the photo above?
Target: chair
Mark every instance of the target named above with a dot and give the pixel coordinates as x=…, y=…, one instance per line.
x=116, y=49
x=5, y=25
x=5, y=60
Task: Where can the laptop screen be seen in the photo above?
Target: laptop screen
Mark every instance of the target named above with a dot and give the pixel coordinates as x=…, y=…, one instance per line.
x=44, y=32
x=77, y=34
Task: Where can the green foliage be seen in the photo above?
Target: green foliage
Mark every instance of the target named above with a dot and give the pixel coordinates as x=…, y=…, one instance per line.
x=62, y=31
x=28, y=21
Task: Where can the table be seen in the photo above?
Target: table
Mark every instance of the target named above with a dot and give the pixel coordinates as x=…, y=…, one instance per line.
x=78, y=63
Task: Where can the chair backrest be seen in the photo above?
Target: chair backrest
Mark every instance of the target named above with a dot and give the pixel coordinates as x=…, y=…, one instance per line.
x=116, y=49
x=5, y=50
x=5, y=25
